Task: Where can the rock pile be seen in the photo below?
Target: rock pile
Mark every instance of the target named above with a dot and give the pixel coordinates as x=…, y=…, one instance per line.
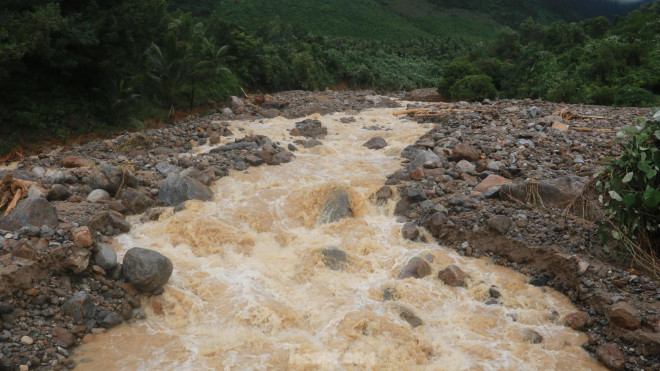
x=508, y=179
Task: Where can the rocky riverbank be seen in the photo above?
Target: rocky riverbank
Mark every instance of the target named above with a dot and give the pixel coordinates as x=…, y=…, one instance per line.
x=61, y=281
x=510, y=180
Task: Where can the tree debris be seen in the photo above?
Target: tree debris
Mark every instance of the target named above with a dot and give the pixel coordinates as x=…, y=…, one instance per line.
x=11, y=191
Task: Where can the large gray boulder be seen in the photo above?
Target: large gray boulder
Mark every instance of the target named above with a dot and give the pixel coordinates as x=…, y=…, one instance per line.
x=136, y=202
x=337, y=206
x=31, y=211
x=109, y=177
x=422, y=158
x=146, y=269
x=81, y=307
x=106, y=257
x=177, y=189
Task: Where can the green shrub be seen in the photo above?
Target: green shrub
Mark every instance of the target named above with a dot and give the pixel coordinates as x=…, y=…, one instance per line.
x=631, y=192
x=474, y=88
x=454, y=71
x=628, y=96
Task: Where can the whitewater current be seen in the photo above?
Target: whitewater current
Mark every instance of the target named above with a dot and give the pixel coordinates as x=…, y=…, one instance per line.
x=250, y=290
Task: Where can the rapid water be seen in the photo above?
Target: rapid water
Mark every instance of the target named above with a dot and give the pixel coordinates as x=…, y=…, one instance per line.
x=250, y=290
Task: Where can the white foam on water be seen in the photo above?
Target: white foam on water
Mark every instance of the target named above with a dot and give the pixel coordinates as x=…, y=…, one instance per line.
x=250, y=289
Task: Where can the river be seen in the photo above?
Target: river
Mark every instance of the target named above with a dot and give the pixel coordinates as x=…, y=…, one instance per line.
x=250, y=289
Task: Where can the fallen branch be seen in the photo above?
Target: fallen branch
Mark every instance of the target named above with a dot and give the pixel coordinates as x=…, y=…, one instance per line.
x=11, y=191
x=568, y=115
x=593, y=130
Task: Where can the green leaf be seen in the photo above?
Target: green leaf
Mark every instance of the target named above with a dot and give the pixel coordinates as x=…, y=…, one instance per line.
x=643, y=166
x=651, y=174
x=651, y=197
x=629, y=199
x=616, y=235
x=628, y=177
x=616, y=196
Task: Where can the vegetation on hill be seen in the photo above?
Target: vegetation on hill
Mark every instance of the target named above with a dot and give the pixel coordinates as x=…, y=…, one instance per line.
x=69, y=66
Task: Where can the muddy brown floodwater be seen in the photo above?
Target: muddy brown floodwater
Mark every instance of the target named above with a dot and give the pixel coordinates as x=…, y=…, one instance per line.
x=250, y=290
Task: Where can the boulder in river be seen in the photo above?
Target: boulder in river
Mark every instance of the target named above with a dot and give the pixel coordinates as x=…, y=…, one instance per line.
x=375, y=143
x=176, y=189
x=337, y=206
x=31, y=211
x=416, y=267
x=310, y=128
x=146, y=269
x=334, y=258
x=453, y=276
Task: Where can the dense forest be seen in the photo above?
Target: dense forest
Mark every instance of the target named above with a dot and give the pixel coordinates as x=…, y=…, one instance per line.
x=71, y=66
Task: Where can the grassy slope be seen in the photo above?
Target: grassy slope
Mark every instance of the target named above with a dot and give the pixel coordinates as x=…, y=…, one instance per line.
x=367, y=19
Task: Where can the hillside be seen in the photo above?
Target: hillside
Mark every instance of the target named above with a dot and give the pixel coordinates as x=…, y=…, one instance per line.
x=404, y=19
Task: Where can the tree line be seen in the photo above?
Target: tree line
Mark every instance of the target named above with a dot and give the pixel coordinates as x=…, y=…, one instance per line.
x=71, y=66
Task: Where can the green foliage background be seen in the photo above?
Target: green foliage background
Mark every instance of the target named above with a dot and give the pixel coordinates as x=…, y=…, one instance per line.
x=71, y=66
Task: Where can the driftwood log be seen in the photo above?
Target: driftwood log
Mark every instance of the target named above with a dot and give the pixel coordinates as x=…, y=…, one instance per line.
x=11, y=191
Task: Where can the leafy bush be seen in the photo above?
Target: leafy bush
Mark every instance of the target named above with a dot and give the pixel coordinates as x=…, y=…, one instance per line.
x=454, y=71
x=474, y=87
x=631, y=187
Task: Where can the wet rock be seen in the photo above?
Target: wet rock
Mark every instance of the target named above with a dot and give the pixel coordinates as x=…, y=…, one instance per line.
x=611, y=356
x=165, y=168
x=499, y=223
x=311, y=128
x=58, y=192
x=336, y=207
x=623, y=315
x=494, y=292
x=560, y=192
x=416, y=173
x=253, y=160
x=409, y=231
x=81, y=307
x=24, y=251
x=334, y=258
x=98, y=195
x=83, y=236
x=384, y=193
x=118, y=222
x=423, y=158
x=532, y=337
x=436, y=223
x=136, y=202
x=464, y=151
x=109, y=319
x=109, y=177
x=236, y=104
x=63, y=337
x=29, y=211
x=105, y=257
x=416, y=267
x=540, y=280
x=146, y=269
x=270, y=113
x=576, y=320
x=75, y=161
x=312, y=143
x=375, y=143
x=77, y=260
x=26, y=340
x=453, y=276
x=176, y=189
x=409, y=316
x=6, y=308
x=466, y=166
